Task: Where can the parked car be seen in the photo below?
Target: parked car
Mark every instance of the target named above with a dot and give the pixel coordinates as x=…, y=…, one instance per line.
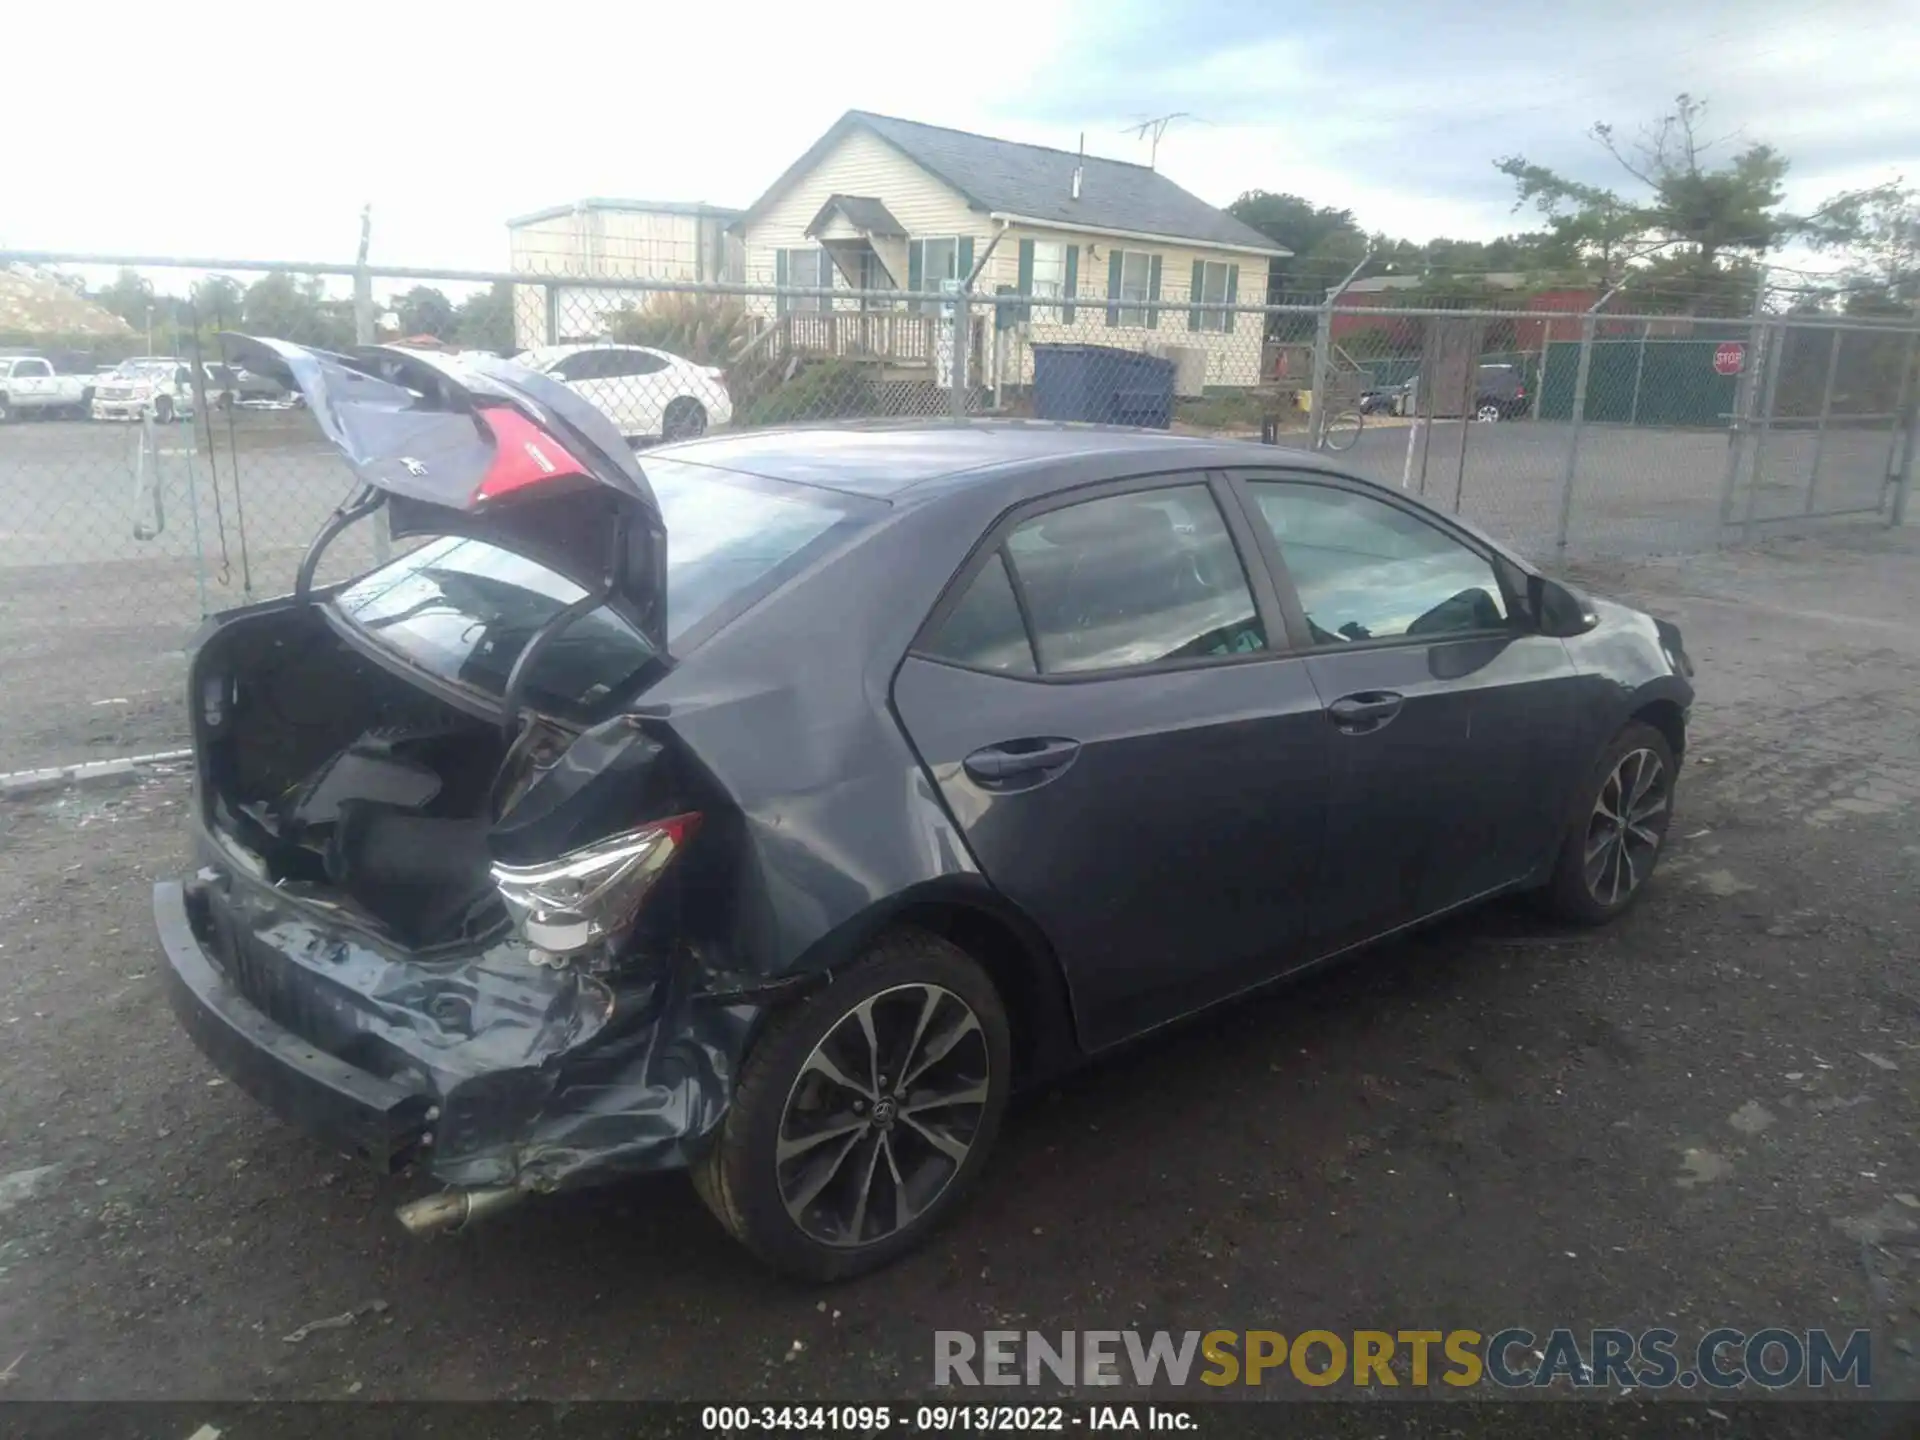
x=1500, y=393
x=648, y=394
x=227, y=386
x=1376, y=399
x=723, y=807
x=31, y=385
x=156, y=385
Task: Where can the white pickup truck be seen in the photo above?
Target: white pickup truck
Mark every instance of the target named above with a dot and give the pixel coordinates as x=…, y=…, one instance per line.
x=28, y=385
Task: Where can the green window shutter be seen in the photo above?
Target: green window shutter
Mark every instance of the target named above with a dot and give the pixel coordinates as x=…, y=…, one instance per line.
x=1153, y=291
x=963, y=265
x=827, y=271
x=1113, y=287
x=780, y=279
x=1233, y=292
x=1073, y=281
x=916, y=265
x=1197, y=292
x=1025, y=283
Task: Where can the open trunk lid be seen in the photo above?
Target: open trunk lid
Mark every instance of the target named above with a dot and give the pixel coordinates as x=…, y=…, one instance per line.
x=472, y=445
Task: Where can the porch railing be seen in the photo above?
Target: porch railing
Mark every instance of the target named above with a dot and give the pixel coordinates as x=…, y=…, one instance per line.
x=891, y=335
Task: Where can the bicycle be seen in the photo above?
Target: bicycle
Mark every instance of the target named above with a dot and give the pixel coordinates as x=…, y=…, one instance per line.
x=1342, y=430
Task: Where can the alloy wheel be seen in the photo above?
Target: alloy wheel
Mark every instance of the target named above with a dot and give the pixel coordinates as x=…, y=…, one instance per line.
x=1623, y=833
x=1488, y=414
x=883, y=1115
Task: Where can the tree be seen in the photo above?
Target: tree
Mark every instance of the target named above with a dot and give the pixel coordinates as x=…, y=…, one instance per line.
x=484, y=320
x=1320, y=237
x=295, y=307
x=424, y=310
x=130, y=296
x=218, y=301
x=1878, y=233
x=1684, y=200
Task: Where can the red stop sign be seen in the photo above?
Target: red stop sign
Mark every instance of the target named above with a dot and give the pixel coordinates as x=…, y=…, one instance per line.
x=1730, y=358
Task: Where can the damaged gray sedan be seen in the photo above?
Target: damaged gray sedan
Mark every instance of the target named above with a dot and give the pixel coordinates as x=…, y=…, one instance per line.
x=774, y=805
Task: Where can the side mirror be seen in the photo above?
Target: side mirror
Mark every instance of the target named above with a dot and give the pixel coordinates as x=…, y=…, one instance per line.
x=1558, y=609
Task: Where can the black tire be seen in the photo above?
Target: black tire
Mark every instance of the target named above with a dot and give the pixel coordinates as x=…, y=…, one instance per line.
x=163, y=410
x=1342, y=431
x=1582, y=894
x=740, y=1178
x=685, y=419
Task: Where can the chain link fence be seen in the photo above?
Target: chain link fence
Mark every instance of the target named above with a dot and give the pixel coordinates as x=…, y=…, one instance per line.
x=1586, y=434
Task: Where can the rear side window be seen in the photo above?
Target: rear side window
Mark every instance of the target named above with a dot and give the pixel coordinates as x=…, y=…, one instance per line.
x=985, y=629
x=1141, y=578
x=632, y=362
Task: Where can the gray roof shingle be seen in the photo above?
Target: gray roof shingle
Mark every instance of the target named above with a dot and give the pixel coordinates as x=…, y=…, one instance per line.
x=1037, y=181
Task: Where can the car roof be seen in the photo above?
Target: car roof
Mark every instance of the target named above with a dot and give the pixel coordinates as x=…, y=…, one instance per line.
x=905, y=459
x=559, y=352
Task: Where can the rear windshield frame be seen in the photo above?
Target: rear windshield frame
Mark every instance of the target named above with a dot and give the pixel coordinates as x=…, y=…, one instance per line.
x=852, y=514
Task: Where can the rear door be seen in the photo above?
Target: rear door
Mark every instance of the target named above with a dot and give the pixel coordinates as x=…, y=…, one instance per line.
x=1449, y=721
x=636, y=391
x=1105, y=700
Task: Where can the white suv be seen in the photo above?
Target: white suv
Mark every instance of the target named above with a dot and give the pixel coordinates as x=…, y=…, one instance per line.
x=156, y=385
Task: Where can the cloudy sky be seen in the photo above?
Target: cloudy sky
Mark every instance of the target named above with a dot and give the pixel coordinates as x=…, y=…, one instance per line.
x=290, y=119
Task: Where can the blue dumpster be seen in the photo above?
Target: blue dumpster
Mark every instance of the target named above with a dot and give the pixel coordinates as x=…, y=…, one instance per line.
x=1102, y=384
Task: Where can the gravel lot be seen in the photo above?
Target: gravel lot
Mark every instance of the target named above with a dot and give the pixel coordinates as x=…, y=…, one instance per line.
x=95, y=617
x=1704, y=1115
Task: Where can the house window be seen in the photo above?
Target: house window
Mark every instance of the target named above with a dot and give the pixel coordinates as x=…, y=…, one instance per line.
x=933, y=262
x=1136, y=269
x=1210, y=284
x=808, y=269
x=1049, y=279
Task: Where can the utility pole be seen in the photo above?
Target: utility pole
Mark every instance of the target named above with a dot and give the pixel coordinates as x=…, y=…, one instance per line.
x=363, y=283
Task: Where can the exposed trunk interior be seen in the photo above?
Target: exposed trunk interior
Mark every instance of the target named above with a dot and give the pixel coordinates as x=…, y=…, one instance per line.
x=347, y=782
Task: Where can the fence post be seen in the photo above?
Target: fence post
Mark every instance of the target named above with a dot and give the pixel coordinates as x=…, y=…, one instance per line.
x=1775, y=351
x=1903, y=431
x=1322, y=368
x=1826, y=412
x=1546, y=354
x=1743, y=401
x=962, y=353
x=1587, y=327
x=1909, y=437
x=363, y=334
x=1639, y=369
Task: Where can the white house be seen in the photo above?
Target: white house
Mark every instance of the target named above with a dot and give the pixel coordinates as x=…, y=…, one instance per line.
x=881, y=203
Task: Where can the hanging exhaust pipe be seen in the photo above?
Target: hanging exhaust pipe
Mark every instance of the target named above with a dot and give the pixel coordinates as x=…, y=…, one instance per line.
x=452, y=1210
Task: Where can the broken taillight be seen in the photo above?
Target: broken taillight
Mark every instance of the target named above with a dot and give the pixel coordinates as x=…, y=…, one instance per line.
x=590, y=897
x=523, y=455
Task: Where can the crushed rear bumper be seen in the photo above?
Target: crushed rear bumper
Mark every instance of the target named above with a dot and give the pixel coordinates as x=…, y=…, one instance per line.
x=486, y=1069
x=369, y=1117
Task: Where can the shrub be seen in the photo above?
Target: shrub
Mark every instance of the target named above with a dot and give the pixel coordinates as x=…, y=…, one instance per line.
x=706, y=329
x=826, y=390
